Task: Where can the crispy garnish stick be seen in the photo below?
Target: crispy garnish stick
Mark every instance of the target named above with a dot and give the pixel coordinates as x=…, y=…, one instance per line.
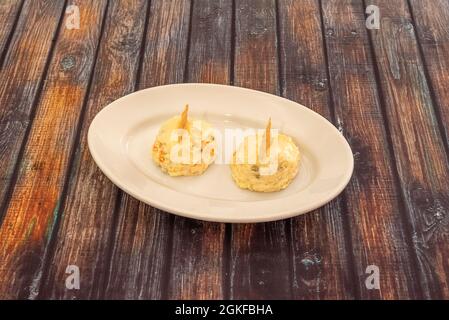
x=183, y=122
x=268, y=136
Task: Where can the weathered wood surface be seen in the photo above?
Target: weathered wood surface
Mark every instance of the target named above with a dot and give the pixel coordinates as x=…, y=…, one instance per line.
x=430, y=19
x=384, y=89
x=84, y=234
x=378, y=234
x=33, y=210
x=9, y=14
x=417, y=143
x=24, y=68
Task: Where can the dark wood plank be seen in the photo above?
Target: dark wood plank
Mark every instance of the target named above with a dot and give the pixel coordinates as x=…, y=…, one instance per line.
x=418, y=146
x=85, y=231
x=321, y=262
x=260, y=263
x=21, y=78
x=197, y=259
x=431, y=18
x=141, y=245
x=372, y=199
x=210, y=42
x=9, y=13
x=34, y=207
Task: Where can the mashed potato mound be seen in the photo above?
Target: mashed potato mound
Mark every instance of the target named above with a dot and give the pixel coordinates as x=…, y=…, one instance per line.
x=254, y=177
x=164, y=143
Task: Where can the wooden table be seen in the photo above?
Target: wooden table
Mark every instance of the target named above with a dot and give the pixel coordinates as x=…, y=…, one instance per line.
x=386, y=90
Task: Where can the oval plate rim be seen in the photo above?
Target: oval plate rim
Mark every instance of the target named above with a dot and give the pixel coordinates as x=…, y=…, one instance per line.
x=204, y=217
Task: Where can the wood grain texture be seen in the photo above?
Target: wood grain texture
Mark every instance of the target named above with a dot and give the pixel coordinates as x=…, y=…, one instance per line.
x=198, y=255
x=418, y=146
x=9, y=13
x=166, y=43
x=260, y=264
x=431, y=19
x=21, y=78
x=84, y=234
x=141, y=246
x=210, y=42
x=34, y=207
x=372, y=200
x=321, y=262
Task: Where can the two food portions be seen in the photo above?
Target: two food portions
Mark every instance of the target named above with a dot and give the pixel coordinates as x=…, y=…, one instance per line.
x=266, y=162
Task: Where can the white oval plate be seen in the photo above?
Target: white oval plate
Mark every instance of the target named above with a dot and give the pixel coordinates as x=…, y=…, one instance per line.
x=122, y=134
